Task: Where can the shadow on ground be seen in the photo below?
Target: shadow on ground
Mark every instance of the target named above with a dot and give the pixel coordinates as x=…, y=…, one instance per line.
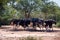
x=32, y=30
x=4, y=27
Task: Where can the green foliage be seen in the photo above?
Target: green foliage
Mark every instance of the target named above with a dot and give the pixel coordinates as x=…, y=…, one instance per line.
x=58, y=24
x=16, y=9
x=11, y=13
x=27, y=6
x=30, y=38
x=2, y=9
x=3, y=1
x=49, y=7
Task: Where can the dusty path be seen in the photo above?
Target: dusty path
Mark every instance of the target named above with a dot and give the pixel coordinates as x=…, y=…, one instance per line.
x=6, y=33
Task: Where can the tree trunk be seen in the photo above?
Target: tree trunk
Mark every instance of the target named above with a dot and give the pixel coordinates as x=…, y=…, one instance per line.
x=27, y=15
x=45, y=16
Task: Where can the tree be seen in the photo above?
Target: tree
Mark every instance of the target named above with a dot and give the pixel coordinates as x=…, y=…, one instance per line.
x=2, y=9
x=2, y=2
x=48, y=7
x=28, y=6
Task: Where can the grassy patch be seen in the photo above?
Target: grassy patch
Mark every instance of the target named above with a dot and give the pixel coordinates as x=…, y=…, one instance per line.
x=30, y=38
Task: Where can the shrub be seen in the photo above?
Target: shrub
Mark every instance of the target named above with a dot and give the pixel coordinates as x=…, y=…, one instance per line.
x=30, y=38
x=58, y=24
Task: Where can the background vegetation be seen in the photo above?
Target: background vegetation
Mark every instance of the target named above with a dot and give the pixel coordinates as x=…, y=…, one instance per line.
x=17, y=9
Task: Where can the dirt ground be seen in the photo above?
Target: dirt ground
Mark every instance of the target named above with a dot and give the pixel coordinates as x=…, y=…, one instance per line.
x=7, y=33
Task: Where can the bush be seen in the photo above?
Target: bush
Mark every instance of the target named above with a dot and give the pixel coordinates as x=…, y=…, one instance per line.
x=58, y=24
x=30, y=38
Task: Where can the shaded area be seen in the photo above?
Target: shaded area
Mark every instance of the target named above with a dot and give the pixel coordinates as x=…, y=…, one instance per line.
x=44, y=30
x=32, y=30
x=4, y=27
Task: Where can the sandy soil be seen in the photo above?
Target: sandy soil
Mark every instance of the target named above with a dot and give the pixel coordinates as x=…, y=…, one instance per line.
x=7, y=33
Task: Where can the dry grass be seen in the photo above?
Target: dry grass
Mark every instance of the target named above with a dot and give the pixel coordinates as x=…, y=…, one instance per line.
x=30, y=38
